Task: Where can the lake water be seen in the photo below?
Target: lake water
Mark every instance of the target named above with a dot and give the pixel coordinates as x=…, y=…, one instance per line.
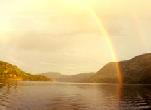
x=71, y=96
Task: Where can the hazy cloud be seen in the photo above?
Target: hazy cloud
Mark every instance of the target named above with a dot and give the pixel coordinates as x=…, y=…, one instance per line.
x=63, y=36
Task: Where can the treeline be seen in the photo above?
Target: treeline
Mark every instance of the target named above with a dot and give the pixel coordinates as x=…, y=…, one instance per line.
x=29, y=77
x=12, y=72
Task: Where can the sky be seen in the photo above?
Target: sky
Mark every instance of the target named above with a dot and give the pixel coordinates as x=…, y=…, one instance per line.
x=65, y=36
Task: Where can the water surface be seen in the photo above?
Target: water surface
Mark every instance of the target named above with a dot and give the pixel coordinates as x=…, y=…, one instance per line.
x=71, y=96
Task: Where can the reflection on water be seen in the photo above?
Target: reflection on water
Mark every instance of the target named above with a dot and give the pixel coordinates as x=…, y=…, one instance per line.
x=70, y=96
x=136, y=97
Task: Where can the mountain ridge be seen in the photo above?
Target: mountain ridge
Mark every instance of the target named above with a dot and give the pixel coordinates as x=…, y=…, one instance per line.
x=135, y=70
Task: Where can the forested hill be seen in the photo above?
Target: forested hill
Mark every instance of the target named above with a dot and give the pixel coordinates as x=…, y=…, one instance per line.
x=9, y=71
x=135, y=70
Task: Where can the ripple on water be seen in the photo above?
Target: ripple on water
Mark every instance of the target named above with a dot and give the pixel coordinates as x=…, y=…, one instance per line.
x=46, y=96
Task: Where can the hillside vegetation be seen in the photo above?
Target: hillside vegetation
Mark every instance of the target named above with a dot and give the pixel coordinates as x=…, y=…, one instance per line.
x=12, y=72
x=135, y=70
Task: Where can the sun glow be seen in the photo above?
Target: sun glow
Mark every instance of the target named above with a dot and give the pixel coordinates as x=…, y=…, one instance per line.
x=76, y=3
x=5, y=24
x=73, y=6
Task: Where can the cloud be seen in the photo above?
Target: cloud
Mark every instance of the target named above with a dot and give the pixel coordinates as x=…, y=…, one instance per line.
x=45, y=35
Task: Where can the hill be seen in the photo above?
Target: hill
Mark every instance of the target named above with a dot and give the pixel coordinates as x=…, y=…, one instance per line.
x=135, y=70
x=9, y=71
x=82, y=77
x=79, y=78
x=52, y=75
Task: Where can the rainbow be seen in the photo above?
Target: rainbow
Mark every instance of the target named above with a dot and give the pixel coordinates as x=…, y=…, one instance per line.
x=108, y=40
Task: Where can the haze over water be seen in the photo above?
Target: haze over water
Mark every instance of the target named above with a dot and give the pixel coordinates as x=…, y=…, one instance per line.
x=74, y=96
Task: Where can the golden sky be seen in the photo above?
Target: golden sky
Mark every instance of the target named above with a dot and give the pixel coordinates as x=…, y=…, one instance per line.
x=65, y=35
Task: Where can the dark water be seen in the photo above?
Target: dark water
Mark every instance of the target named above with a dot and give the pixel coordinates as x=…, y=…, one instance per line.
x=69, y=96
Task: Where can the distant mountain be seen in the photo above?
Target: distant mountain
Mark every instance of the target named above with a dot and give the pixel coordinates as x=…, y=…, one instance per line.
x=79, y=78
x=82, y=77
x=9, y=71
x=135, y=70
x=53, y=75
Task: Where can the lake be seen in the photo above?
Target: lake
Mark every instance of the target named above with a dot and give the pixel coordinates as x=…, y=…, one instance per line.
x=74, y=96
